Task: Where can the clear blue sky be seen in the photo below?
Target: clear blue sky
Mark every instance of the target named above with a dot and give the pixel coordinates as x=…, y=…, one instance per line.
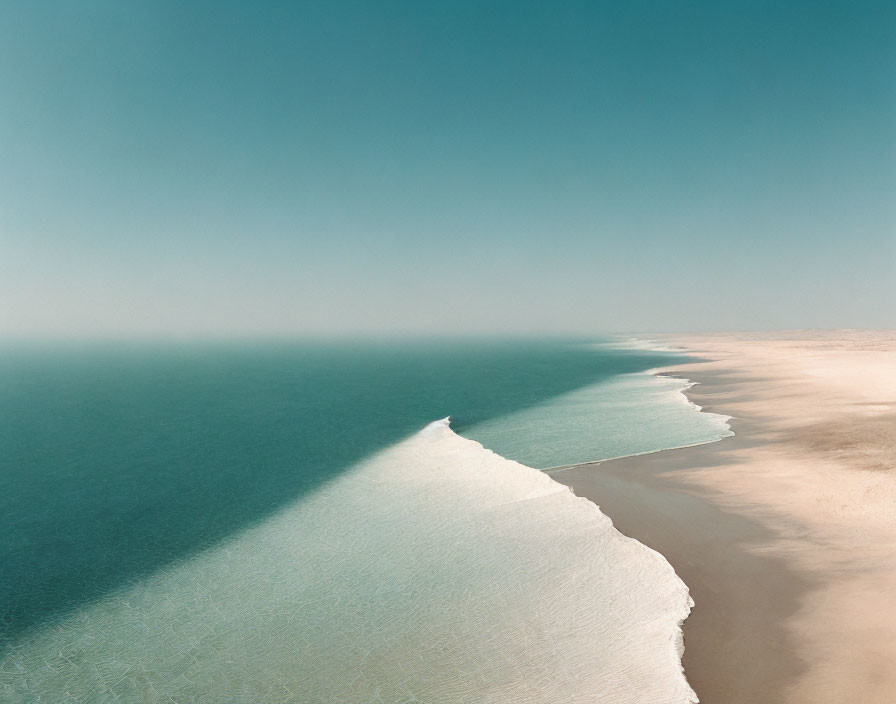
x=291, y=167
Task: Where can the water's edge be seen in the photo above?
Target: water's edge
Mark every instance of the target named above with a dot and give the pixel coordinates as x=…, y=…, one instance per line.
x=678, y=636
x=434, y=556
x=683, y=391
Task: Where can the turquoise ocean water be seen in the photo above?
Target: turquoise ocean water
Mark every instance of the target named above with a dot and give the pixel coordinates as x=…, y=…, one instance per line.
x=123, y=466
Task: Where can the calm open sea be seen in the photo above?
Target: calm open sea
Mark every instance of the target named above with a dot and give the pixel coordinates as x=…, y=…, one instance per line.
x=169, y=512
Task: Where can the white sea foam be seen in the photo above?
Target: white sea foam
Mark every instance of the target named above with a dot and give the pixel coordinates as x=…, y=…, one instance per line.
x=435, y=571
x=638, y=343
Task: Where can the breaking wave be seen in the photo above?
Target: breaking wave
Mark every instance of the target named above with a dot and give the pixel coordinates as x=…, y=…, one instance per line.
x=434, y=571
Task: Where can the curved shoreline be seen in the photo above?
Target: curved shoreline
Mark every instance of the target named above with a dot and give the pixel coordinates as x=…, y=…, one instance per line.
x=682, y=688
x=452, y=573
x=647, y=500
x=783, y=533
x=683, y=391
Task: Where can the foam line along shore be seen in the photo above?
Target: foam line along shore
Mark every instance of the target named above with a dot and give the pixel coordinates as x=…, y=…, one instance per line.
x=783, y=532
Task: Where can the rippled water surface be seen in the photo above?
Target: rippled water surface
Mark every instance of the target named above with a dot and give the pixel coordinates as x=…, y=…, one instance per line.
x=166, y=510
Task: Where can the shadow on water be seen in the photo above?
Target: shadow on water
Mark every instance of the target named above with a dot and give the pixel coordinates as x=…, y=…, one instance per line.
x=119, y=460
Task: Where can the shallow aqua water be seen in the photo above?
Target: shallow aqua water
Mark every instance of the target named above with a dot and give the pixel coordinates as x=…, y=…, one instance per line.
x=626, y=414
x=433, y=571
x=122, y=463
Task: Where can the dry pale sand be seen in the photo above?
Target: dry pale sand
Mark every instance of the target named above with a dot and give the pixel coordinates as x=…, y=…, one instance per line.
x=786, y=532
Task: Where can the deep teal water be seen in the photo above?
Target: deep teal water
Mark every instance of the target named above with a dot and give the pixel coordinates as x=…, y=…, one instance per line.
x=119, y=460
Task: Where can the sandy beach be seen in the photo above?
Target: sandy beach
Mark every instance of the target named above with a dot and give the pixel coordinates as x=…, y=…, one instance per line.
x=785, y=533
